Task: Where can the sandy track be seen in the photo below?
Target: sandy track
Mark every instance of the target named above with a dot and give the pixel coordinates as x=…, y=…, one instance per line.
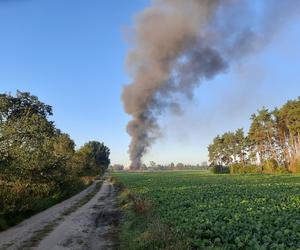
x=15, y=237
x=92, y=226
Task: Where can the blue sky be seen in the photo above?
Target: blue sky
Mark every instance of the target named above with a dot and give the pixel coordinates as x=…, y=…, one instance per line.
x=71, y=54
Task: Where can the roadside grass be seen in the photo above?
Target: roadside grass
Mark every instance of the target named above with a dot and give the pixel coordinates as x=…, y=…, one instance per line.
x=140, y=227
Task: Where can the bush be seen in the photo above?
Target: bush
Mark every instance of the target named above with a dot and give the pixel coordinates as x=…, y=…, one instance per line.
x=252, y=169
x=218, y=169
x=270, y=166
x=87, y=180
x=72, y=186
x=295, y=167
x=21, y=199
x=282, y=170
x=140, y=205
x=16, y=197
x=237, y=168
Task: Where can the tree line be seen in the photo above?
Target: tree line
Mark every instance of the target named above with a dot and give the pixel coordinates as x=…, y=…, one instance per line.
x=272, y=142
x=152, y=166
x=38, y=162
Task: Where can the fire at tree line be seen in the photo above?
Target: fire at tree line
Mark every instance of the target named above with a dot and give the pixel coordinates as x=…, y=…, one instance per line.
x=39, y=165
x=272, y=145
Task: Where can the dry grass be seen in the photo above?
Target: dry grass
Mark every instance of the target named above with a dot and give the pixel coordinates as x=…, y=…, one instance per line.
x=140, y=205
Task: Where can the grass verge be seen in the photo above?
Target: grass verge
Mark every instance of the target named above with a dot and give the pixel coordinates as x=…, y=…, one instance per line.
x=140, y=227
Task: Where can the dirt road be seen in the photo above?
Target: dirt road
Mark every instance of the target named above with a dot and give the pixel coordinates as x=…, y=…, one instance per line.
x=91, y=226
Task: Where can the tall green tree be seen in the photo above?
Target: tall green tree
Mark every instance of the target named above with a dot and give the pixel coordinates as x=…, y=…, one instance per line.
x=92, y=158
x=215, y=151
x=231, y=147
x=289, y=117
x=262, y=135
x=64, y=148
x=27, y=139
x=273, y=140
x=37, y=159
x=241, y=146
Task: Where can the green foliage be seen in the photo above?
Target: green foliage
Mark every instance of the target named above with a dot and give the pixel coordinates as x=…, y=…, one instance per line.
x=27, y=139
x=273, y=140
x=36, y=159
x=244, y=169
x=18, y=200
x=18, y=196
x=210, y=211
x=141, y=227
x=64, y=148
x=91, y=159
x=218, y=169
x=228, y=148
x=270, y=166
x=295, y=167
x=236, y=168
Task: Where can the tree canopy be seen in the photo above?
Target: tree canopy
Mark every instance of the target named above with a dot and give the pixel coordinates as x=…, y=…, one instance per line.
x=273, y=137
x=92, y=158
x=37, y=160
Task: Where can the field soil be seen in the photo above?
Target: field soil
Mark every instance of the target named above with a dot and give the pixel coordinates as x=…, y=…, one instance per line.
x=91, y=226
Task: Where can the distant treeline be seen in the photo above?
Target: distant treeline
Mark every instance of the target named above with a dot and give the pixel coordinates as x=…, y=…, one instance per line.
x=271, y=145
x=152, y=166
x=39, y=165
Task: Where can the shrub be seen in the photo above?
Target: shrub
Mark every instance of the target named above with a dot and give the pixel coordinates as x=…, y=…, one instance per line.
x=295, y=167
x=282, y=170
x=140, y=205
x=252, y=169
x=270, y=166
x=21, y=199
x=19, y=196
x=87, y=180
x=71, y=186
x=237, y=168
x=218, y=169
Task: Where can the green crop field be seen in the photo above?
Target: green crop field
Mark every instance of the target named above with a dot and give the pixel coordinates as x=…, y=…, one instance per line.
x=209, y=211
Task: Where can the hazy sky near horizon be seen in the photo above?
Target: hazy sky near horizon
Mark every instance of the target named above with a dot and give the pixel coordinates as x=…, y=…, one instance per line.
x=71, y=54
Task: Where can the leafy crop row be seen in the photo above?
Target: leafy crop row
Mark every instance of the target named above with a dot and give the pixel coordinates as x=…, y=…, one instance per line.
x=228, y=212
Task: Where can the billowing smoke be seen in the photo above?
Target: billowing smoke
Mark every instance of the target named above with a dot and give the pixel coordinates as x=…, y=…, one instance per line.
x=179, y=43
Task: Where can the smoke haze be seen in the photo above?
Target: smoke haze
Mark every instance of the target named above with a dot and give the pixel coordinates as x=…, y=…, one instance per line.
x=178, y=43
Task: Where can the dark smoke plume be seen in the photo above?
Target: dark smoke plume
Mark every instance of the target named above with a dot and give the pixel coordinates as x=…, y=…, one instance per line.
x=179, y=43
